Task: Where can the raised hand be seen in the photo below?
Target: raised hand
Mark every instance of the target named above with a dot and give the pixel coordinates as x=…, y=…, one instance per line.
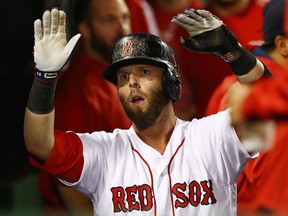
x=208, y=34
x=51, y=50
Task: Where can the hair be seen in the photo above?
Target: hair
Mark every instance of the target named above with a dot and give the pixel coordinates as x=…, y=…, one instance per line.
x=270, y=45
x=80, y=12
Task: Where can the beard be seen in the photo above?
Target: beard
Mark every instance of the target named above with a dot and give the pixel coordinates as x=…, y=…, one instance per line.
x=144, y=119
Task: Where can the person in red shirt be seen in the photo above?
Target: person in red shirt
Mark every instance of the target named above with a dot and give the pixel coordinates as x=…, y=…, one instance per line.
x=82, y=95
x=139, y=21
x=259, y=188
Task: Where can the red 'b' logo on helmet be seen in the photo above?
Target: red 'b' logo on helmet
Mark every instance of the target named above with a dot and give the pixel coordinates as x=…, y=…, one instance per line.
x=127, y=48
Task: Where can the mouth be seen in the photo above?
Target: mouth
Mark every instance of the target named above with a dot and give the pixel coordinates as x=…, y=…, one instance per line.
x=137, y=100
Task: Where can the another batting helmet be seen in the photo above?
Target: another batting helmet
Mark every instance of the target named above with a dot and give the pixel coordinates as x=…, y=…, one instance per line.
x=142, y=48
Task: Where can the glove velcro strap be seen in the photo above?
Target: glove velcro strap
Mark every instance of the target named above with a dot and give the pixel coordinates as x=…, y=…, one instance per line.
x=41, y=98
x=245, y=63
x=46, y=76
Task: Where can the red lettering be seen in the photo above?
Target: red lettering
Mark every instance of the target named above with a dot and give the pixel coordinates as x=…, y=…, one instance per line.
x=178, y=190
x=127, y=48
x=208, y=193
x=194, y=193
x=118, y=199
x=198, y=193
x=145, y=197
x=132, y=203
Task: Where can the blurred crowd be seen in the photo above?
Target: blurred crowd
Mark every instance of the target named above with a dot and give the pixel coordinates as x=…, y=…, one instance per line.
x=82, y=95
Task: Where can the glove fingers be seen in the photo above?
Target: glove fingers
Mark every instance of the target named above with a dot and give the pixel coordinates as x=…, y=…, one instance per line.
x=46, y=23
x=194, y=14
x=62, y=22
x=54, y=21
x=37, y=30
x=184, y=21
x=71, y=44
x=205, y=14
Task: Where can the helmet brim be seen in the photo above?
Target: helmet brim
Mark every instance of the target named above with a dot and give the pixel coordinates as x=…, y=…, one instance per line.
x=110, y=73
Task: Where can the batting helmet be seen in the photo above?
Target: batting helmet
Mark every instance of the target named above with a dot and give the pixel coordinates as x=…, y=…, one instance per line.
x=143, y=48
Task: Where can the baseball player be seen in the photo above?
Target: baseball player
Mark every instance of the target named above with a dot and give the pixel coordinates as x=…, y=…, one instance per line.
x=162, y=165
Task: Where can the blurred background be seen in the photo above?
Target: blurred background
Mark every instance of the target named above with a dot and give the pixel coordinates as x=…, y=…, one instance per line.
x=18, y=182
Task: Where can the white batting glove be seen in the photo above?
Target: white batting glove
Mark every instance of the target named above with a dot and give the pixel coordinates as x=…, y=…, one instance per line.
x=51, y=50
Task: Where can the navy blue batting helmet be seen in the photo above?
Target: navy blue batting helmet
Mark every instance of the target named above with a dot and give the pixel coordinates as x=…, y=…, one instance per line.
x=143, y=48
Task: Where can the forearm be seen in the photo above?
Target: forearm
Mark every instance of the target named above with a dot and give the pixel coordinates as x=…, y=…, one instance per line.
x=39, y=133
x=39, y=119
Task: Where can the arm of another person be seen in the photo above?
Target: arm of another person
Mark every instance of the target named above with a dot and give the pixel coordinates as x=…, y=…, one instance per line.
x=266, y=99
x=50, y=54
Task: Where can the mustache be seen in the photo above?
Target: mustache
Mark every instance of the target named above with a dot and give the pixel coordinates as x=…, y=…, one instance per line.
x=134, y=93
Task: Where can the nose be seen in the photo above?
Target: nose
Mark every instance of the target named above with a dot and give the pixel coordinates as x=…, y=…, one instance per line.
x=133, y=83
x=124, y=27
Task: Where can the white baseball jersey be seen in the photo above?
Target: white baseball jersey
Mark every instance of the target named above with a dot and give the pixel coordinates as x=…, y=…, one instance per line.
x=196, y=175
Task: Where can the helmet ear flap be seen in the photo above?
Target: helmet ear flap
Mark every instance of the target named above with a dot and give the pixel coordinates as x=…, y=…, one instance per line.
x=172, y=84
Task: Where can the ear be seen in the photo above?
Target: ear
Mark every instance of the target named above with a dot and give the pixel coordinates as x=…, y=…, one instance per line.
x=84, y=30
x=281, y=43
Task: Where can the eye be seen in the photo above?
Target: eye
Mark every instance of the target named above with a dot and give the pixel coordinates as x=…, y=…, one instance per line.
x=124, y=76
x=109, y=20
x=145, y=71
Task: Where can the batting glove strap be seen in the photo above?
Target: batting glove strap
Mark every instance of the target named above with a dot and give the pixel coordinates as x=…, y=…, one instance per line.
x=244, y=63
x=46, y=76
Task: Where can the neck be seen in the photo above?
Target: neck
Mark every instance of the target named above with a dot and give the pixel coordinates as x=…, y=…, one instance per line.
x=158, y=135
x=229, y=9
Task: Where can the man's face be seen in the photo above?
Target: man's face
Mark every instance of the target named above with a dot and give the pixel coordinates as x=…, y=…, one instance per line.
x=141, y=93
x=110, y=20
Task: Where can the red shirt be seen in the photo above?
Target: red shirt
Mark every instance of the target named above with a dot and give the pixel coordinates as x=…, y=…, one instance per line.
x=138, y=18
x=262, y=185
x=255, y=107
x=247, y=26
x=84, y=101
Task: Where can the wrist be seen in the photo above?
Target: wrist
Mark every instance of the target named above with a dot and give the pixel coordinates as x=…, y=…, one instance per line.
x=231, y=49
x=41, y=98
x=244, y=63
x=46, y=76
